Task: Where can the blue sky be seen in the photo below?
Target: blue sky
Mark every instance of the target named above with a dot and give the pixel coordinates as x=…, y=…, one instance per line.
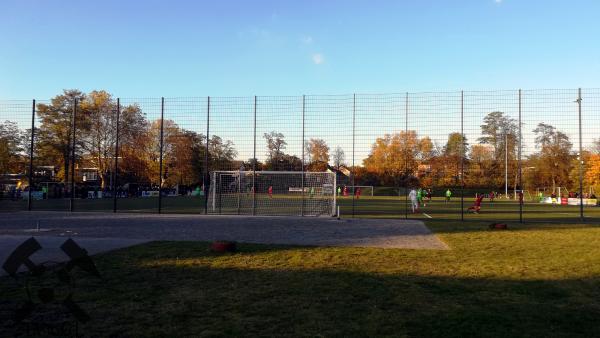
x=225, y=48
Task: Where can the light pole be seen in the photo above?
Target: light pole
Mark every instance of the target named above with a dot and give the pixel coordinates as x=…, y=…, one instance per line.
x=505, y=163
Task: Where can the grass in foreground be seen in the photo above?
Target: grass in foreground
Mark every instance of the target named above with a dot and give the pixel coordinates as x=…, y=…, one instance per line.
x=541, y=280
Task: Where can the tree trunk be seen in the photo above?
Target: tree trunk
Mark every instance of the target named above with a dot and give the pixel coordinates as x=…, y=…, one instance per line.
x=66, y=168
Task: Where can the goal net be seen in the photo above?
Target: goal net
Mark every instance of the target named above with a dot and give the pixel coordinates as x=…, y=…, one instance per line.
x=272, y=193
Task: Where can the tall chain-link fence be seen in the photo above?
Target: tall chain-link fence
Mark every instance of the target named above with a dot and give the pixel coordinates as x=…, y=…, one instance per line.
x=501, y=155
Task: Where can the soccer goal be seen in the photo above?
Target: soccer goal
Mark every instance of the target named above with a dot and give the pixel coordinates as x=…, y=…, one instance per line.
x=290, y=193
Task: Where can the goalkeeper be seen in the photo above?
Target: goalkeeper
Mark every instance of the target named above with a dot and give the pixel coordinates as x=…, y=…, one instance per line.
x=412, y=195
x=448, y=195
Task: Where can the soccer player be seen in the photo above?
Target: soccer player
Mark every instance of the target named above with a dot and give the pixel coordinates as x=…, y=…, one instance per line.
x=345, y=191
x=521, y=197
x=339, y=191
x=420, y=196
x=448, y=195
x=357, y=193
x=312, y=191
x=270, y=190
x=412, y=195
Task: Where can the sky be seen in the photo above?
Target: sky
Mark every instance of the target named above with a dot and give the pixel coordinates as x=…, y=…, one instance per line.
x=243, y=48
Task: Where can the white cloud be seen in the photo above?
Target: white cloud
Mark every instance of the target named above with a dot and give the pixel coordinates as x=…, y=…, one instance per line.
x=498, y=1
x=307, y=39
x=318, y=58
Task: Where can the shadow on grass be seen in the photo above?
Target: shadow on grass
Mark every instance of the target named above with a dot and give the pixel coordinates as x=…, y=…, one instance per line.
x=441, y=226
x=144, y=296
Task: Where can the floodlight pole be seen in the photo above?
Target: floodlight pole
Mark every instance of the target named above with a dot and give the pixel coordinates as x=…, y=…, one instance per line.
x=254, y=164
x=462, y=161
x=505, y=162
x=303, y=121
x=520, y=163
x=115, y=169
x=580, y=158
x=406, y=159
x=31, y=155
x=353, y=145
x=206, y=157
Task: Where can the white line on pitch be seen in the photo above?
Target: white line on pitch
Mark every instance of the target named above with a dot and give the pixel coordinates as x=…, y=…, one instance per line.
x=427, y=215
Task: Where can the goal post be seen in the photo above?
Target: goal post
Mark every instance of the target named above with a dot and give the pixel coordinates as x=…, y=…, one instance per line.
x=526, y=195
x=285, y=193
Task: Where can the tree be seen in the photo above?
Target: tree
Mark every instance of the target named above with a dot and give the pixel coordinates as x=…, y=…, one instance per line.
x=394, y=157
x=446, y=168
x=553, y=161
x=134, y=143
x=318, y=150
x=592, y=173
x=98, y=114
x=12, y=148
x=480, y=165
x=456, y=146
x=596, y=146
x=338, y=157
x=501, y=133
x=290, y=163
x=185, y=161
x=426, y=149
x=496, y=126
x=222, y=153
x=275, y=146
x=54, y=133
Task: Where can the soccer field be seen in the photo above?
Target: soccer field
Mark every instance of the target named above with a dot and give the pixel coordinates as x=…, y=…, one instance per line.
x=365, y=206
x=499, y=210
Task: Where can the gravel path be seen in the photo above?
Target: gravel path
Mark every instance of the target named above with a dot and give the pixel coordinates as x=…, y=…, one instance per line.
x=382, y=233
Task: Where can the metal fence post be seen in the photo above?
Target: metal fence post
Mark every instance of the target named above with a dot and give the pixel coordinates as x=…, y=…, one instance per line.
x=353, y=146
x=116, y=162
x=406, y=159
x=303, y=121
x=462, y=156
x=31, y=155
x=580, y=157
x=254, y=164
x=206, y=158
x=160, y=163
x=520, y=162
x=73, y=130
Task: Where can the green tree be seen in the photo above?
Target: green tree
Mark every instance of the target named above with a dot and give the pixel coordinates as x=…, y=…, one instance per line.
x=318, y=154
x=54, y=133
x=222, y=153
x=501, y=133
x=275, y=145
x=456, y=146
x=554, y=159
x=12, y=148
